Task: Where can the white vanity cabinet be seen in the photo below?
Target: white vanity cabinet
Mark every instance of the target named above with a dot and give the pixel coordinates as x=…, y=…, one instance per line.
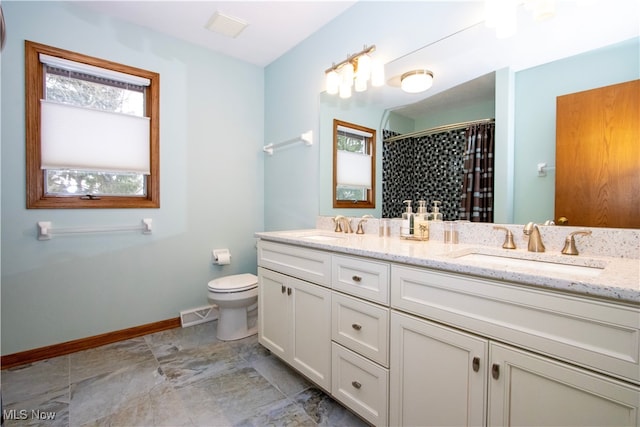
x=404, y=345
x=294, y=314
x=439, y=374
x=360, y=333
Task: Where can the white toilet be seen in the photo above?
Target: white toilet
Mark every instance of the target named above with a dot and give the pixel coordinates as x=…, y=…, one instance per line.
x=235, y=296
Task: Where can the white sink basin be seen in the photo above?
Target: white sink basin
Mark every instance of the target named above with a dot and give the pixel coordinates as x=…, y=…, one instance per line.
x=316, y=235
x=550, y=264
x=321, y=237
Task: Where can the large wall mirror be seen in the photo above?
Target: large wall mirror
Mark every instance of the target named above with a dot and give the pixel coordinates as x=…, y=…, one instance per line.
x=519, y=81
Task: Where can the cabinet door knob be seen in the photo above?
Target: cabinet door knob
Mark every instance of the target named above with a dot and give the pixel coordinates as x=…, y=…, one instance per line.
x=495, y=371
x=356, y=384
x=357, y=279
x=283, y=289
x=476, y=364
x=356, y=326
x=288, y=291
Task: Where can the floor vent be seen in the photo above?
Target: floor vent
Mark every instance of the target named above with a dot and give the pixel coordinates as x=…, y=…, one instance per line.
x=198, y=315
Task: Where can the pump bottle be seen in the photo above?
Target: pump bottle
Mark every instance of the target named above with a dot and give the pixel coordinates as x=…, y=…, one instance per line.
x=420, y=222
x=435, y=214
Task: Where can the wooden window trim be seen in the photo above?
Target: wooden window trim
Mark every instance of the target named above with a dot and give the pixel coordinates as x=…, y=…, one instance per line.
x=371, y=193
x=34, y=92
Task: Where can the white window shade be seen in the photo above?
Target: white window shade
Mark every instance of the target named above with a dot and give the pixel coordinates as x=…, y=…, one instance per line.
x=79, y=67
x=85, y=139
x=354, y=170
x=352, y=131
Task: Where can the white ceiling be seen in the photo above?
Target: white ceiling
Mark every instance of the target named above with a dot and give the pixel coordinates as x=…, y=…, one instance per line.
x=274, y=26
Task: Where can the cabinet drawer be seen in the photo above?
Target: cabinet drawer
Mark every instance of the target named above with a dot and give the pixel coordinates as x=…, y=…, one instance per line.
x=307, y=264
x=595, y=334
x=361, y=326
x=360, y=384
x=361, y=278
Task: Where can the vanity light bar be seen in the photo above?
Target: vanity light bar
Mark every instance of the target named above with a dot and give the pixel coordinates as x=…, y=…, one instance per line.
x=351, y=58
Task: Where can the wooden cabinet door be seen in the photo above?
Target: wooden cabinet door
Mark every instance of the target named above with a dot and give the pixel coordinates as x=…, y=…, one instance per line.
x=526, y=389
x=598, y=157
x=438, y=375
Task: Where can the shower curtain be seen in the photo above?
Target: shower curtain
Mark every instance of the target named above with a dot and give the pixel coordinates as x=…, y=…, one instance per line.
x=441, y=166
x=477, y=189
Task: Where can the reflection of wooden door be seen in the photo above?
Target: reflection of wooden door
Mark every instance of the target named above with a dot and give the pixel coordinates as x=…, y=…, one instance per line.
x=598, y=157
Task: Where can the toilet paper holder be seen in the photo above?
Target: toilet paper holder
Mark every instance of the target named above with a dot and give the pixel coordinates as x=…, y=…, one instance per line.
x=221, y=256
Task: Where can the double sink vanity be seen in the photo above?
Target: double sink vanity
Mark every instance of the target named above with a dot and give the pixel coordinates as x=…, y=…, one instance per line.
x=426, y=333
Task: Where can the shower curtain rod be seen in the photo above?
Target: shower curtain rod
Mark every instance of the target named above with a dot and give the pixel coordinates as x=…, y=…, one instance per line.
x=437, y=129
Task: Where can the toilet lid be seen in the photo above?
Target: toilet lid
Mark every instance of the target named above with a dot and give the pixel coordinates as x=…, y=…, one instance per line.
x=234, y=283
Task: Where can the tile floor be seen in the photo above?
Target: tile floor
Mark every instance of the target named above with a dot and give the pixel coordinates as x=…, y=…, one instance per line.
x=179, y=377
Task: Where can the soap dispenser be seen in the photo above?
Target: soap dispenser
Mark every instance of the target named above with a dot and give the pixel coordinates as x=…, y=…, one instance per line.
x=420, y=222
x=435, y=214
x=406, y=227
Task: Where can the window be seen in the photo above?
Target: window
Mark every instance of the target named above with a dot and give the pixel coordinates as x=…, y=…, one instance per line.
x=92, y=134
x=354, y=166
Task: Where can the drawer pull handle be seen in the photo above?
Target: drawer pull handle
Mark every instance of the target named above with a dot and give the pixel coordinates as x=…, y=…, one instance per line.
x=357, y=279
x=288, y=291
x=476, y=364
x=495, y=371
x=356, y=326
x=283, y=289
x=356, y=384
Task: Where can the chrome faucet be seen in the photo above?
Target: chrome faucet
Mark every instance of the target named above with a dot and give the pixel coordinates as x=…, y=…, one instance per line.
x=570, y=242
x=535, y=240
x=343, y=224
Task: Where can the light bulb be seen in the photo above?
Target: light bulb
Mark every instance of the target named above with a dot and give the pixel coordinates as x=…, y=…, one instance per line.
x=347, y=74
x=345, y=89
x=360, y=84
x=332, y=82
x=364, y=67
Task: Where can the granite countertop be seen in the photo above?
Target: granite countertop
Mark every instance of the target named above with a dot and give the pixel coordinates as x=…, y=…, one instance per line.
x=616, y=279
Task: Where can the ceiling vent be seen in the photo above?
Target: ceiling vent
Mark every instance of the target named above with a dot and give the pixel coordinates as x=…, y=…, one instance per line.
x=226, y=25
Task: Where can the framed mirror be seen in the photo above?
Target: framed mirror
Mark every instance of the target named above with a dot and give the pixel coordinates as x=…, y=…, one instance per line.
x=354, y=165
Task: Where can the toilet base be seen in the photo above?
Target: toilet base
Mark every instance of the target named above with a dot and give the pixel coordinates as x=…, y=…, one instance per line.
x=232, y=324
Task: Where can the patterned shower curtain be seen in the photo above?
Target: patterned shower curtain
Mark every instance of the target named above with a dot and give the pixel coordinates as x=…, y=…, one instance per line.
x=477, y=189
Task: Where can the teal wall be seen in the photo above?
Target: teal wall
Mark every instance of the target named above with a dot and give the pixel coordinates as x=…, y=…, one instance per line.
x=211, y=138
x=536, y=90
x=217, y=186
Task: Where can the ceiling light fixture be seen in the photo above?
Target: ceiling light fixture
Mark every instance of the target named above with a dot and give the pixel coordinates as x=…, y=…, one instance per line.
x=226, y=25
x=355, y=72
x=416, y=81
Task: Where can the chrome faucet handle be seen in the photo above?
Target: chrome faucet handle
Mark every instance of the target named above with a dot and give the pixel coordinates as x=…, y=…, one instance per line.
x=338, y=228
x=570, y=242
x=508, y=238
x=363, y=220
x=535, y=240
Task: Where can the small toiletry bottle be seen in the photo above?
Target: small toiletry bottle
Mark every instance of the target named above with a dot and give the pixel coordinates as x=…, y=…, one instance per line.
x=406, y=227
x=435, y=214
x=421, y=223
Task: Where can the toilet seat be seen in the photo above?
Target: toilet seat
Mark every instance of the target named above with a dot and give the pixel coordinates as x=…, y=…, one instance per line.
x=233, y=284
